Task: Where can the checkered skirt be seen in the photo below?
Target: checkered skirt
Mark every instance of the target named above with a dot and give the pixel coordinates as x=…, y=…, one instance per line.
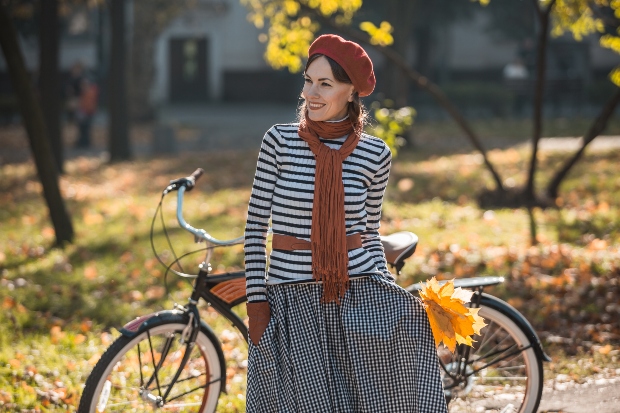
x=372, y=353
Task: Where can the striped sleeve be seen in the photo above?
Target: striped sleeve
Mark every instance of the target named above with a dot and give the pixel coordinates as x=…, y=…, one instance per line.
x=371, y=240
x=259, y=212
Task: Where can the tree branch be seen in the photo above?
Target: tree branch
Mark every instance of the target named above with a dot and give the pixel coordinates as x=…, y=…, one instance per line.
x=597, y=127
x=541, y=54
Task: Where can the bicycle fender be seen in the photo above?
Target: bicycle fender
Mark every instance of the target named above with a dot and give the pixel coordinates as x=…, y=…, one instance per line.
x=512, y=313
x=137, y=325
x=140, y=324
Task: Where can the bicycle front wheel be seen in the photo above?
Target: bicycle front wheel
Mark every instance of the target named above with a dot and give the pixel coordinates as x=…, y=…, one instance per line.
x=503, y=373
x=135, y=374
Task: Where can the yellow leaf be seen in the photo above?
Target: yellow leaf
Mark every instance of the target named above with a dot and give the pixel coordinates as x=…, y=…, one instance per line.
x=463, y=295
x=451, y=321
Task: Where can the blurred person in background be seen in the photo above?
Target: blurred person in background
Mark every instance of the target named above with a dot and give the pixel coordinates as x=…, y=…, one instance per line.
x=73, y=88
x=85, y=111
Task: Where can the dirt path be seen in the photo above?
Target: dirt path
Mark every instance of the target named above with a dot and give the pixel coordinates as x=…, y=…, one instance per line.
x=593, y=396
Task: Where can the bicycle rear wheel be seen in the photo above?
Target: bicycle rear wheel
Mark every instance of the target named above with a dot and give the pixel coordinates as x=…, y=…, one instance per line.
x=503, y=372
x=135, y=372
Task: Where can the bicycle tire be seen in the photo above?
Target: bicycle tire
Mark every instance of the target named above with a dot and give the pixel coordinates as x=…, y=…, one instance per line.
x=511, y=385
x=113, y=372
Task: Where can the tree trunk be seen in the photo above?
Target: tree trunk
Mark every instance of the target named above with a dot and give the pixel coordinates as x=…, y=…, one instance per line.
x=118, y=140
x=423, y=83
x=49, y=77
x=533, y=226
x=32, y=118
x=597, y=127
x=541, y=65
x=142, y=70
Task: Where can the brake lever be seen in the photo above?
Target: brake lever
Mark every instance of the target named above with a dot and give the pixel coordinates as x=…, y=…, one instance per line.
x=175, y=184
x=188, y=182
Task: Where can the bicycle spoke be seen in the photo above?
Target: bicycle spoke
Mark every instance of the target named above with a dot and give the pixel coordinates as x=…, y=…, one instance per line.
x=195, y=388
x=486, y=337
x=493, y=354
x=175, y=406
x=520, y=366
x=155, y=370
x=503, y=378
x=491, y=340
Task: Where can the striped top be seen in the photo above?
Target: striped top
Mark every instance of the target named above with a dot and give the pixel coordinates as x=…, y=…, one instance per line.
x=283, y=190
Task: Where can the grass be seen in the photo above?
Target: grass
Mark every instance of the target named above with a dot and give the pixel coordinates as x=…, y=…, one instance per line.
x=61, y=307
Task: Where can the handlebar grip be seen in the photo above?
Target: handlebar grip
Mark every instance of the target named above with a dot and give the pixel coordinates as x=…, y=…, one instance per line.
x=197, y=174
x=187, y=182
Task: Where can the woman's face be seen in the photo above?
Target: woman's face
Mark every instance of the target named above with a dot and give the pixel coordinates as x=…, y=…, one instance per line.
x=326, y=98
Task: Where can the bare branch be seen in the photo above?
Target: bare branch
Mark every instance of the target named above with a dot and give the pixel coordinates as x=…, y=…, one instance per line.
x=597, y=127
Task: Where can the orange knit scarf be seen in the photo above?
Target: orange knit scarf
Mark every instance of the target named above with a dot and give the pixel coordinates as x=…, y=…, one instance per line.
x=330, y=260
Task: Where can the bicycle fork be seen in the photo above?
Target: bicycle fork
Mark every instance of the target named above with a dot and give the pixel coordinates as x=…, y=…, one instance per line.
x=188, y=338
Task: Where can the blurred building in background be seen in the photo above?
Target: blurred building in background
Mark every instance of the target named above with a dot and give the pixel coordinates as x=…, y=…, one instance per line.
x=211, y=53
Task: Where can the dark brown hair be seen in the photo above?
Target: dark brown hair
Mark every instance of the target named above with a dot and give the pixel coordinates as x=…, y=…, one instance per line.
x=356, y=110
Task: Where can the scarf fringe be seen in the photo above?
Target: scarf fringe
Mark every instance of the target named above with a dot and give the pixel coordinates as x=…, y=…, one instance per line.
x=328, y=237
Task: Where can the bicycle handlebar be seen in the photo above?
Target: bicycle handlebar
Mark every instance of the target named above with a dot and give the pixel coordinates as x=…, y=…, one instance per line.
x=187, y=184
x=199, y=233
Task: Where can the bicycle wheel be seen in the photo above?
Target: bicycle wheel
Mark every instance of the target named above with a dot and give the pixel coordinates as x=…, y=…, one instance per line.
x=134, y=374
x=500, y=376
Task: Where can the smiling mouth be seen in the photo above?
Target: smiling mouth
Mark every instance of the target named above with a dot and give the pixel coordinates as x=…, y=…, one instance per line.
x=315, y=106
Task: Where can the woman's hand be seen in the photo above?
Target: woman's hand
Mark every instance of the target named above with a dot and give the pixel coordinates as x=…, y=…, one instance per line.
x=259, y=314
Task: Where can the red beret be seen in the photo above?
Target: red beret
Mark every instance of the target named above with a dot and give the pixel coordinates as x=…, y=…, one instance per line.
x=351, y=57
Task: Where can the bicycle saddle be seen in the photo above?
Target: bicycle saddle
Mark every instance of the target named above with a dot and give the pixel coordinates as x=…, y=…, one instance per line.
x=398, y=247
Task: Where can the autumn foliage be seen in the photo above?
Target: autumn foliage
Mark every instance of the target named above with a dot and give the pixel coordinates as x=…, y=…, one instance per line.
x=451, y=320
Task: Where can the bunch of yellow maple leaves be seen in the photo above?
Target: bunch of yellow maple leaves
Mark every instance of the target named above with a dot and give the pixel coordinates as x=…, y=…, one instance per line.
x=451, y=320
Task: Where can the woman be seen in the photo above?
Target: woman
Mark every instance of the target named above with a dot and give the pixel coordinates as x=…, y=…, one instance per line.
x=330, y=331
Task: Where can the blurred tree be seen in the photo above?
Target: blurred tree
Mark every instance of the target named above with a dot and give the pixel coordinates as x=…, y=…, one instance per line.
x=35, y=127
x=118, y=131
x=292, y=25
x=44, y=19
x=49, y=76
x=581, y=18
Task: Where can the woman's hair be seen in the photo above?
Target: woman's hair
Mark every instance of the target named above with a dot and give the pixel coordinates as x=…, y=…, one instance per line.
x=356, y=110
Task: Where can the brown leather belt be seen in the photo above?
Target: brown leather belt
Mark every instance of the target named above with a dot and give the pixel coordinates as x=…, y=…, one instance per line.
x=290, y=243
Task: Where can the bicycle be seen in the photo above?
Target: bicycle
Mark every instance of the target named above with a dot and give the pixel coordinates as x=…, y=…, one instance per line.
x=172, y=359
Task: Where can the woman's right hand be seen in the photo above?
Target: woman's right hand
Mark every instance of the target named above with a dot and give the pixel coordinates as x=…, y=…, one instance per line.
x=259, y=314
